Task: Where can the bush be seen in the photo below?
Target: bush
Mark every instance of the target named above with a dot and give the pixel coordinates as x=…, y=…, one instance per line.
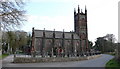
x=113, y=63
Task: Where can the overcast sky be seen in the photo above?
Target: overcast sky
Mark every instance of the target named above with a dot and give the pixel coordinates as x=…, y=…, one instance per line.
x=59, y=15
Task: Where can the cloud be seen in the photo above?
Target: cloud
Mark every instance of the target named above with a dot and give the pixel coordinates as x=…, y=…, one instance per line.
x=51, y=0
x=102, y=18
x=50, y=22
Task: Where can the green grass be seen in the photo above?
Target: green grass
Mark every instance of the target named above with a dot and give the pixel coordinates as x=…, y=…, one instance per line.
x=112, y=53
x=3, y=56
x=0, y=56
x=113, y=63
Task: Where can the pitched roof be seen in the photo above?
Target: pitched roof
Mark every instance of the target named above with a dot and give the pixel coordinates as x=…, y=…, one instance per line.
x=58, y=34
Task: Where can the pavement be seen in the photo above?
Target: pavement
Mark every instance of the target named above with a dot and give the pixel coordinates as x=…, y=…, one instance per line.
x=97, y=62
x=8, y=59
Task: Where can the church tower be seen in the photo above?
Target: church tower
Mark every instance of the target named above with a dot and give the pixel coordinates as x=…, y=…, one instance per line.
x=80, y=27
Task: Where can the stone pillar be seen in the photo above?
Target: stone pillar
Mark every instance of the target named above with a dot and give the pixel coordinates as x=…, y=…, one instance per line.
x=53, y=42
x=83, y=47
x=80, y=48
x=75, y=51
x=33, y=43
x=43, y=44
x=63, y=43
x=52, y=52
x=72, y=43
x=87, y=47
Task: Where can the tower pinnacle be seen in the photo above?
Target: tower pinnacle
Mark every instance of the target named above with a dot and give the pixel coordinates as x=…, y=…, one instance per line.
x=85, y=10
x=74, y=11
x=85, y=7
x=78, y=9
x=81, y=11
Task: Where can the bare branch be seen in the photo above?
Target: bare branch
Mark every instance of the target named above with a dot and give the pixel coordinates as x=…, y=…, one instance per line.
x=12, y=13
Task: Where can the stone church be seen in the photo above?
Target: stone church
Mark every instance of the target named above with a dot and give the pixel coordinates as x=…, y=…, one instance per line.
x=49, y=43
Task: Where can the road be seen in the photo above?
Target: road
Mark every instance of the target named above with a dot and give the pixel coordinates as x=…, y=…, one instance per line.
x=97, y=62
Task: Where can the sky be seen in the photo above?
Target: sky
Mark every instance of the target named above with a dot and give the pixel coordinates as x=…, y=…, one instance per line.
x=59, y=14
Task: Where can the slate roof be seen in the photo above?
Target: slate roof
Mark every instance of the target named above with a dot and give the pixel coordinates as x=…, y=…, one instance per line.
x=58, y=34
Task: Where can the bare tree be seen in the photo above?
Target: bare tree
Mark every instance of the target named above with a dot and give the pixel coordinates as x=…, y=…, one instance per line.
x=11, y=14
x=110, y=37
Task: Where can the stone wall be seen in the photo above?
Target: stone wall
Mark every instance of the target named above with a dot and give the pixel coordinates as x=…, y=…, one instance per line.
x=58, y=59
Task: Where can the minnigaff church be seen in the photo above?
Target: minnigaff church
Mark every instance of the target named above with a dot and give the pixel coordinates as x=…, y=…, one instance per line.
x=61, y=43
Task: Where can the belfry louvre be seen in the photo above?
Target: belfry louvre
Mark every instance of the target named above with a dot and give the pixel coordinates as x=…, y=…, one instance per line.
x=63, y=44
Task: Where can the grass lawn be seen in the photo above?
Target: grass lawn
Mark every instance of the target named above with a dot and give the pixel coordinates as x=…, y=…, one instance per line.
x=0, y=56
x=113, y=63
x=3, y=56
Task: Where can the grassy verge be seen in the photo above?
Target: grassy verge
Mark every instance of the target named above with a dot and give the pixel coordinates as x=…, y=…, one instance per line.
x=3, y=56
x=112, y=53
x=0, y=56
x=113, y=63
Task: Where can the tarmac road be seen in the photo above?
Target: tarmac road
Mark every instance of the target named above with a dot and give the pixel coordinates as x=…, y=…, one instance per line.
x=97, y=62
